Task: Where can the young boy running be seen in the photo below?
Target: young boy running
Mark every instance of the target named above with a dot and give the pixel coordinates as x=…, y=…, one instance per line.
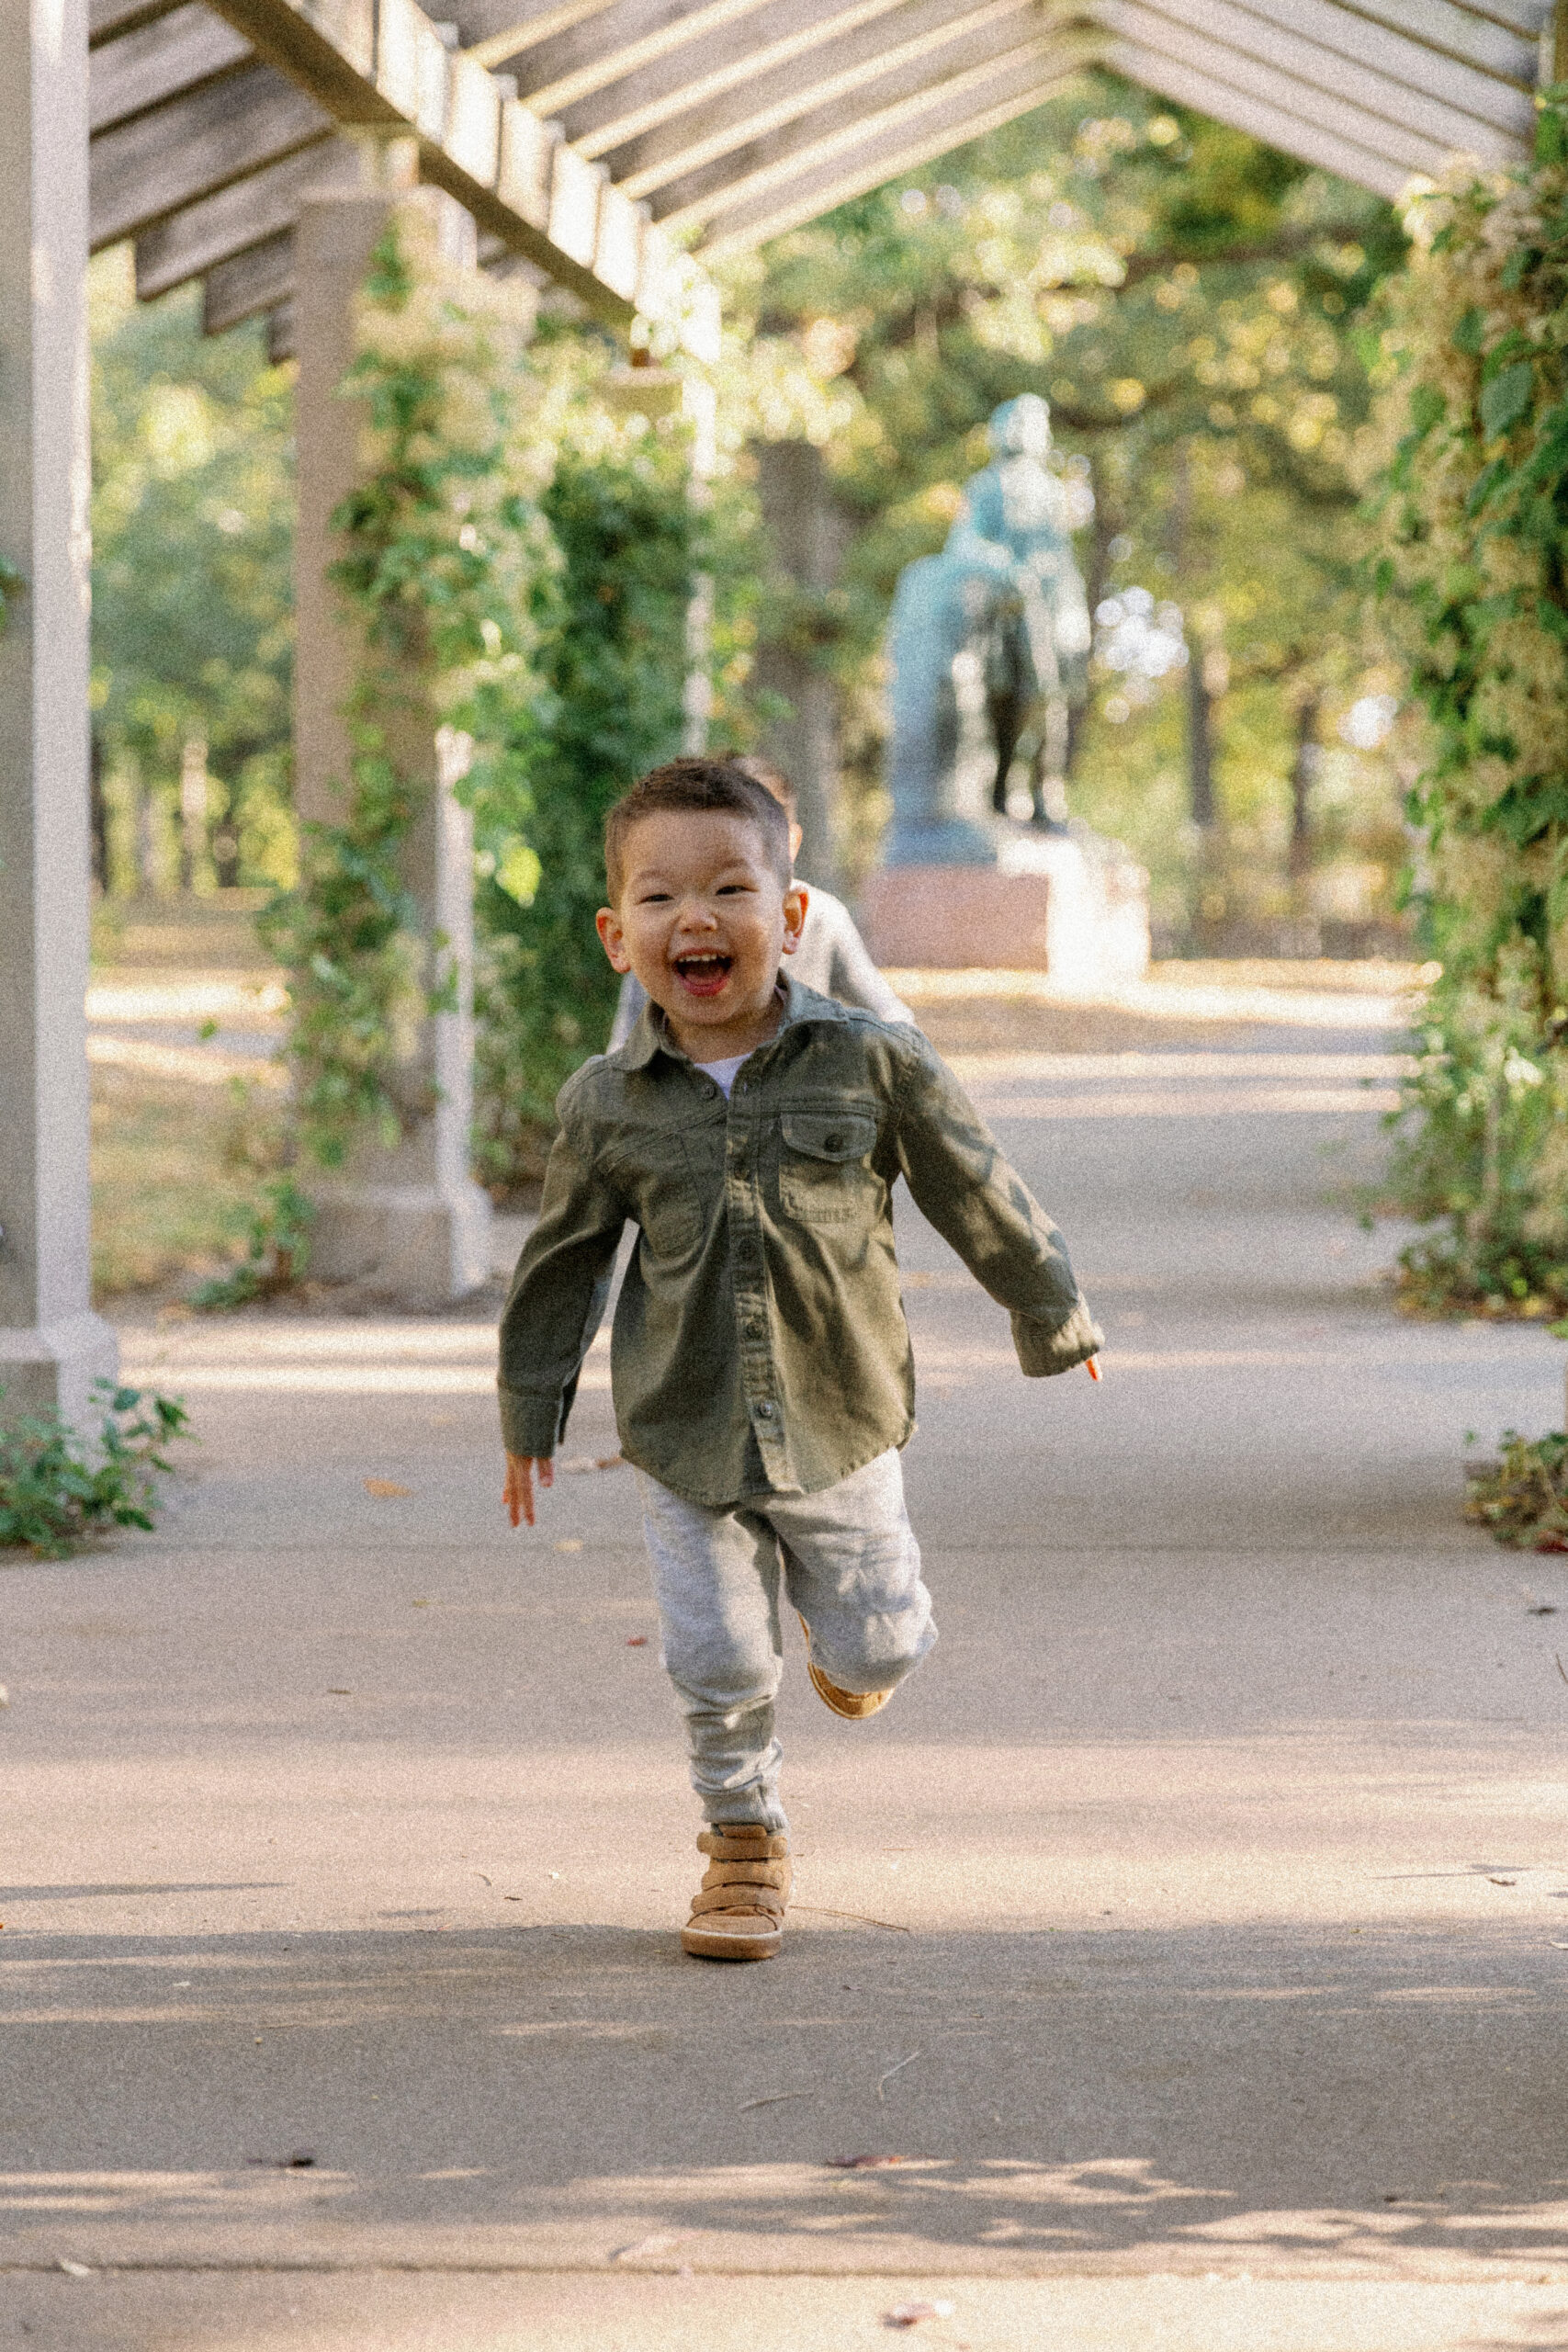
x=760, y=1362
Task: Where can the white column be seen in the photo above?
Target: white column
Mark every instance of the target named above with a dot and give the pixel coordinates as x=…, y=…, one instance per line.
x=411, y=1222
x=51, y=1346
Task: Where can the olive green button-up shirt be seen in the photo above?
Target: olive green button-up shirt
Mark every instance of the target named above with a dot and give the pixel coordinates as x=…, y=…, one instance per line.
x=759, y=1340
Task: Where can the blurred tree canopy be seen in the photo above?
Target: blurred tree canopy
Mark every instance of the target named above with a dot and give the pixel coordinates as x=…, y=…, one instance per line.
x=1193, y=303
x=193, y=529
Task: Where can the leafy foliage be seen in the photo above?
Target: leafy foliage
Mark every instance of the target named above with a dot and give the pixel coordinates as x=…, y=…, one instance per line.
x=57, y=1490
x=1523, y=1497
x=633, y=543
x=1470, y=498
x=614, y=666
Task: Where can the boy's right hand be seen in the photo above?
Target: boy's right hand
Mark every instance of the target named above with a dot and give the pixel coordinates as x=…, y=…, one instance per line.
x=518, y=1492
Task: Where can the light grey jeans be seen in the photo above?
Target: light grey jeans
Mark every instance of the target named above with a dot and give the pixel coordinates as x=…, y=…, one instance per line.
x=851, y=1568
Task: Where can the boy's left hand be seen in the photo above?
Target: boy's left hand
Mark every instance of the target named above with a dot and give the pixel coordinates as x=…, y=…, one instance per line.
x=518, y=1492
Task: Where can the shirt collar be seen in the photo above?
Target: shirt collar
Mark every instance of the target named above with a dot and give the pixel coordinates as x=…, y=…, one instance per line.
x=652, y=1035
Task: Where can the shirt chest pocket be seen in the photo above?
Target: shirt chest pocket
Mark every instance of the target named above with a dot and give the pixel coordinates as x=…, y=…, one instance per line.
x=823, y=1175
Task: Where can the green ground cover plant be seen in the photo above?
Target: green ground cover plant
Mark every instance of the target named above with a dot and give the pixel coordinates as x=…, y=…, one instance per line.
x=1522, y=1498
x=59, y=1489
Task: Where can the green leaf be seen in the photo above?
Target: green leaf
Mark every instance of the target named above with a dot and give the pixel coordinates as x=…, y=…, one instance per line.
x=1470, y=331
x=1505, y=399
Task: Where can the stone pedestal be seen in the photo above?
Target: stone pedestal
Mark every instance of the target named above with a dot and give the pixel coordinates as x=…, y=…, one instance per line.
x=1074, y=906
x=51, y=1346
x=410, y=1222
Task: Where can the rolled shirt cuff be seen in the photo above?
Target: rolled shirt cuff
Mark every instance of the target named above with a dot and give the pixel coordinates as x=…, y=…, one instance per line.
x=1044, y=1348
x=530, y=1421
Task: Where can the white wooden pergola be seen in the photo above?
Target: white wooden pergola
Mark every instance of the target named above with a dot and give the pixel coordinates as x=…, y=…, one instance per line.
x=234, y=142
x=579, y=132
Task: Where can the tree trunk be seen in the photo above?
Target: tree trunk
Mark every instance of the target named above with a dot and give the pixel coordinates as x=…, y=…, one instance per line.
x=97, y=816
x=1199, y=746
x=1303, y=774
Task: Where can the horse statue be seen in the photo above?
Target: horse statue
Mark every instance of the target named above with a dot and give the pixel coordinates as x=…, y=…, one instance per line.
x=1002, y=608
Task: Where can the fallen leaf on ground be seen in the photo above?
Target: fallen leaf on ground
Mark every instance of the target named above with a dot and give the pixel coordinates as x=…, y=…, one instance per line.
x=75, y=2269
x=911, y=2314
x=570, y=1543
x=1502, y=1881
x=338, y=1691
x=386, y=1487
x=637, y=1641
x=301, y=2161
x=867, y=2164
x=1552, y=1544
x=647, y=2249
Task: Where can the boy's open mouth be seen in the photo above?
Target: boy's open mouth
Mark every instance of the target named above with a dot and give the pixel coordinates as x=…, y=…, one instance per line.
x=703, y=974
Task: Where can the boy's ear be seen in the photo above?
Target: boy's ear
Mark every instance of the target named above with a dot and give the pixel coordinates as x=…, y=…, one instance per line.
x=797, y=898
x=608, y=924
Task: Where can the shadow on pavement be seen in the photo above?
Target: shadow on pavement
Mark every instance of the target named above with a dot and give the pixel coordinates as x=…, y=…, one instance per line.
x=1393, y=2105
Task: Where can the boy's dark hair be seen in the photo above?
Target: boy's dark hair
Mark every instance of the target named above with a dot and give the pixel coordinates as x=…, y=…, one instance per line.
x=698, y=785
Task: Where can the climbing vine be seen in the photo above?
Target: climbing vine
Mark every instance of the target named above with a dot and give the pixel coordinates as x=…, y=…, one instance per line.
x=1471, y=502
x=445, y=564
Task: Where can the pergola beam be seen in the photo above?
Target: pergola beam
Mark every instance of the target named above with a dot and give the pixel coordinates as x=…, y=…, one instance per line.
x=777, y=35
x=248, y=284
x=926, y=41
x=833, y=132
x=946, y=129
x=206, y=236
x=518, y=32
x=151, y=166
x=1407, y=125
x=556, y=73
x=1310, y=143
x=160, y=61
x=1311, y=103
x=1505, y=98
x=108, y=19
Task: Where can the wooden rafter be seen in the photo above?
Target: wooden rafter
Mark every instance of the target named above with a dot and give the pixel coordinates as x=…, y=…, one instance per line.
x=949, y=124
x=920, y=49
x=897, y=103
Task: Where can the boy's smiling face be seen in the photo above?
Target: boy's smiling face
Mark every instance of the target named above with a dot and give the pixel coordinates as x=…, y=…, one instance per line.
x=703, y=921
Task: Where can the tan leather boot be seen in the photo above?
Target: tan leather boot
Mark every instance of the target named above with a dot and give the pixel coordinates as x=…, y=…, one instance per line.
x=853, y=1705
x=737, y=1914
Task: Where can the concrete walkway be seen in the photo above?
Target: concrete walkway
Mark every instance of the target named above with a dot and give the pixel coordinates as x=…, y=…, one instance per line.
x=1193, y=1932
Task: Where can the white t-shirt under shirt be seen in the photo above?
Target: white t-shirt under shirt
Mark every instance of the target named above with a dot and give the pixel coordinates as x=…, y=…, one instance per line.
x=723, y=1073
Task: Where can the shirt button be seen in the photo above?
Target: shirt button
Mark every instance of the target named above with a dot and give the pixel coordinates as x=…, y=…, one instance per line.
x=756, y=1331
x=764, y=1411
